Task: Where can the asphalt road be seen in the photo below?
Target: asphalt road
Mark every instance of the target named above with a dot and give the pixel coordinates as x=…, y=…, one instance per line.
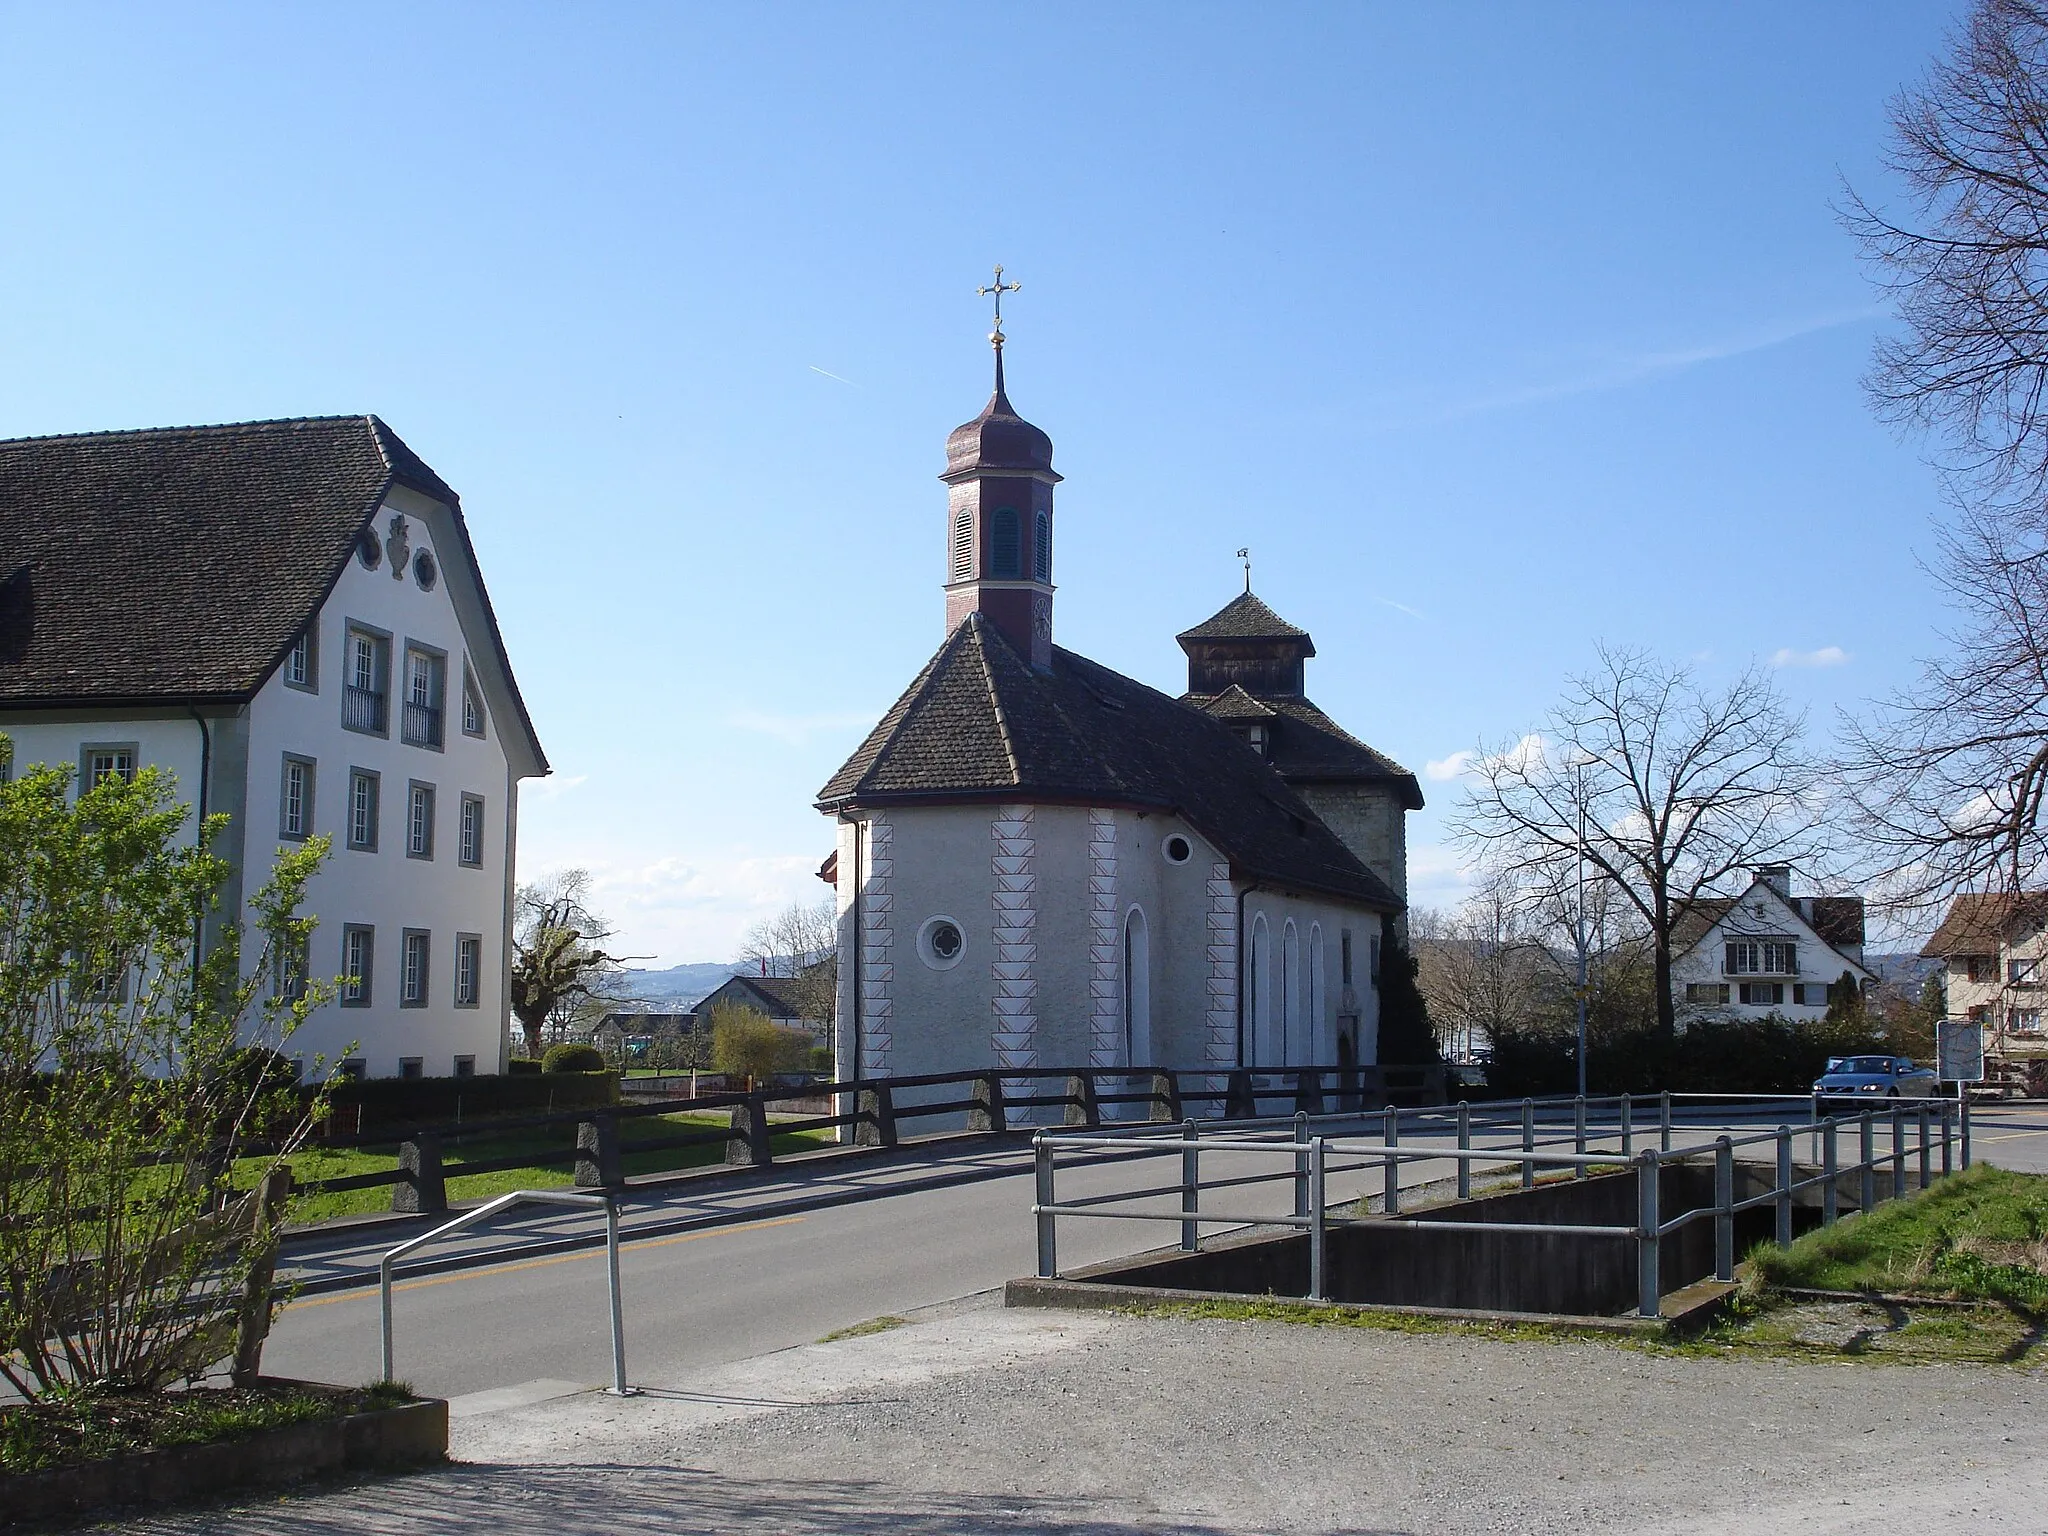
x=769, y=1277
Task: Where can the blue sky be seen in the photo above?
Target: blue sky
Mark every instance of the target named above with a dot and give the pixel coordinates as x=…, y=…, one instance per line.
x=1495, y=331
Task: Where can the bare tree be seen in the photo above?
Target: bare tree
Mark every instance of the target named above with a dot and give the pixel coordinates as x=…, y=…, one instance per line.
x=1482, y=967
x=1969, y=268
x=562, y=979
x=801, y=942
x=1665, y=788
x=1950, y=774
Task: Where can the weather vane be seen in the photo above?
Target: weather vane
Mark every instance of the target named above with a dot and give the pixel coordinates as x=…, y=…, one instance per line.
x=996, y=290
x=1246, y=556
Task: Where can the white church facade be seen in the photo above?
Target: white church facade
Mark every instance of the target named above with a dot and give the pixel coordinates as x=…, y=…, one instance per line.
x=1043, y=863
x=288, y=618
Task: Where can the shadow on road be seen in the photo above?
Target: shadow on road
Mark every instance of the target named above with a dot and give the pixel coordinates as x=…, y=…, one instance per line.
x=662, y=1501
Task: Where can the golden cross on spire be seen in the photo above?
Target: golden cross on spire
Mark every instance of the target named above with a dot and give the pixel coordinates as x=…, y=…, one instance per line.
x=996, y=290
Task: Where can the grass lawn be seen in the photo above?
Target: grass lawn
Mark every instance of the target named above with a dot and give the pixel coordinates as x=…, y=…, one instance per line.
x=552, y=1164
x=1979, y=1236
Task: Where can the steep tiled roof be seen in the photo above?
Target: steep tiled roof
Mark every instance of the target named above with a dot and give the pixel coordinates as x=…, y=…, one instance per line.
x=1245, y=617
x=176, y=564
x=1233, y=703
x=1977, y=922
x=1836, y=920
x=980, y=723
x=1306, y=746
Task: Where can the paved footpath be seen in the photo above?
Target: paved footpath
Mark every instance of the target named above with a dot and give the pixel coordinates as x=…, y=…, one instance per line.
x=975, y=1419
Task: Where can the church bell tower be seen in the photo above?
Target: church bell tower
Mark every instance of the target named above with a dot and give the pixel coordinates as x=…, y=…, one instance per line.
x=1000, y=477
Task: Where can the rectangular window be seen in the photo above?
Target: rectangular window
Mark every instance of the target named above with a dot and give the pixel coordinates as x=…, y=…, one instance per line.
x=412, y=1066
x=366, y=682
x=1981, y=1014
x=1373, y=955
x=295, y=799
x=472, y=705
x=2020, y=973
x=1344, y=948
x=1763, y=994
x=358, y=958
x=1781, y=957
x=425, y=684
x=419, y=821
x=1709, y=994
x=302, y=663
x=1982, y=967
x=2026, y=1021
x=412, y=989
x=1810, y=994
x=362, y=809
x=465, y=1066
x=289, y=964
x=470, y=849
x=469, y=959
x=100, y=761
x=353, y=1068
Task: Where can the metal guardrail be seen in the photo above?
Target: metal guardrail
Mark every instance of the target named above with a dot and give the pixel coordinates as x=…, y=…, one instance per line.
x=1310, y=1166
x=482, y=1213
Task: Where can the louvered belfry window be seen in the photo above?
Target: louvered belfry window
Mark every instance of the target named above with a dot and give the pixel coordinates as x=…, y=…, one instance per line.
x=1042, y=569
x=1005, y=554
x=963, y=546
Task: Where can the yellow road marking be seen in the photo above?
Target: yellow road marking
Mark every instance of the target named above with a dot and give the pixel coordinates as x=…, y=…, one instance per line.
x=2010, y=1135
x=557, y=1258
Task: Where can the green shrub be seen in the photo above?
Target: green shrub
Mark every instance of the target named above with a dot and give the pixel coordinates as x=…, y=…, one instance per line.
x=573, y=1057
x=522, y=1066
x=382, y=1103
x=1757, y=1056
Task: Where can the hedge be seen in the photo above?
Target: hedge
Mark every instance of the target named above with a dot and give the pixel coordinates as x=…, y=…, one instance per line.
x=407, y=1101
x=1759, y=1056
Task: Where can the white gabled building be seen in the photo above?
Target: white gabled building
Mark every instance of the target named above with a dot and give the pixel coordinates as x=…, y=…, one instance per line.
x=288, y=617
x=1766, y=951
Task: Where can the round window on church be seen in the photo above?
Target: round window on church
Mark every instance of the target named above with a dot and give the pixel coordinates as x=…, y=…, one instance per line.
x=940, y=943
x=1178, y=850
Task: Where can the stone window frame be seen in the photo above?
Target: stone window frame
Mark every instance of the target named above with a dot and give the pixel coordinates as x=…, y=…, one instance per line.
x=375, y=780
x=307, y=792
x=415, y=991
x=469, y=947
x=358, y=986
x=304, y=657
x=417, y=845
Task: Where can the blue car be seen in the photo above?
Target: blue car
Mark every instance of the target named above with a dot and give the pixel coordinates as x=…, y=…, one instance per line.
x=1861, y=1079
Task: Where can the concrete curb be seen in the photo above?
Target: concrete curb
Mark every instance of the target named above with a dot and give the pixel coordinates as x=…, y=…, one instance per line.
x=410, y=1435
x=1686, y=1309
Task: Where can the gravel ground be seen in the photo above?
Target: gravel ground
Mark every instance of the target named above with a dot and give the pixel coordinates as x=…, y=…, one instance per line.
x=986, y=1421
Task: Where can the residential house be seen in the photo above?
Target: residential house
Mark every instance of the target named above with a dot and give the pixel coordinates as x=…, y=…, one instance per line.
x=1766, y=951
x=1994, y=951
x=287, y=617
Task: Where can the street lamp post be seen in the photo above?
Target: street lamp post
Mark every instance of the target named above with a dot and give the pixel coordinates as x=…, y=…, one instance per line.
x=1579, y=924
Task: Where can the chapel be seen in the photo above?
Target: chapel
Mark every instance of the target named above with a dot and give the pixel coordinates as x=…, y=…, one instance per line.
x=1041, y=862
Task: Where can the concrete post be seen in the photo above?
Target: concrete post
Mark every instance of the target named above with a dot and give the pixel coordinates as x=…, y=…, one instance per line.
x=1239, y=1102
x=597, y=1152
x=876, y=1106
x=1649, y=1239
x=1830, y=1168
x=1664, y=1121
x=1308, y=1091
x=1724, y=1209
x=1784, y=1186
x=747, y=1146
x=421, y=1184
x=1190, y=1189
x=1464, y=1145
x=1083, y=1107
x=1165, y=1098
x=988, y=1113
x=1628, y=1126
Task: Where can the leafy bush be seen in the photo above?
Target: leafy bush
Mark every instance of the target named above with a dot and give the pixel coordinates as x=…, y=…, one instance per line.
x=745, y=1042
x=380, y=1103
x=1767, y=1055
x=522, y=1066
x=573, y=1057
x=129, y=1086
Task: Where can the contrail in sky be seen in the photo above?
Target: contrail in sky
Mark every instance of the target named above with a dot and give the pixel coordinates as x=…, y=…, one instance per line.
x=829, y=374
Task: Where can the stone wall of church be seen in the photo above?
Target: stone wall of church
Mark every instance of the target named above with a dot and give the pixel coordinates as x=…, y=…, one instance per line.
x=1370, y=820
x=1049, y=902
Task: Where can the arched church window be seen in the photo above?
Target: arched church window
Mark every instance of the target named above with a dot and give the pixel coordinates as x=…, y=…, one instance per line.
x=963, y=546
x=1005, y=556
x=1137, y=1041
x=1042, y=567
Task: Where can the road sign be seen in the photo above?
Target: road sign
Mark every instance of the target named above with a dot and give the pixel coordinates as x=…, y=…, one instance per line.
x=1959, y=1052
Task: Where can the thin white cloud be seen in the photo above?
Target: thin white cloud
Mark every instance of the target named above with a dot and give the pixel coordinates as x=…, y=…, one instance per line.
x=1826, y=656
x=829, y=374
x=797, y=730
x=553, y=787
x=1456, y=766
x=1413, y=613
x=1622, y=371
x=1525, y=753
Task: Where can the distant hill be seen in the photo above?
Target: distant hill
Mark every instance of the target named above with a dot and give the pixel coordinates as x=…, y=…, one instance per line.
x=680, y=986
x=1906, y=973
